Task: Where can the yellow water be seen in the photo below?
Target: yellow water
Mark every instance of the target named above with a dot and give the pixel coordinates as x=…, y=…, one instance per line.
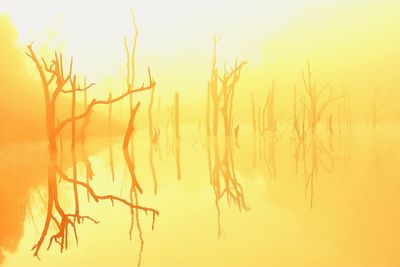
x=354, y=220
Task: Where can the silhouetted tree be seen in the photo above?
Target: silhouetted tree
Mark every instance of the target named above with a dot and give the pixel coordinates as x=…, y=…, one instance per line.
x=55, y=81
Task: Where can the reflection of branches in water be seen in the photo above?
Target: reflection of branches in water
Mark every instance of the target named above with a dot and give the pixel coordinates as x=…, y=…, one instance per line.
x=377, y=150
x=53, y=76
x=311, y=175
x=269, y=153
x=318, y=154
x=220, y=104
x=63, y=226
x=32, y=218
x=134, y=184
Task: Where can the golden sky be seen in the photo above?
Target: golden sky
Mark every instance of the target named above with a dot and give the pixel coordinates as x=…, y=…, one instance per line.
x=351, y=44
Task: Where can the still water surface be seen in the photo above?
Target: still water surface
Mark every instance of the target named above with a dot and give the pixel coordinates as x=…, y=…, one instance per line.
x=354, y=220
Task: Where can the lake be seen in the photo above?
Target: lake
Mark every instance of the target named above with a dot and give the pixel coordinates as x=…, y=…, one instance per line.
x=353, y=221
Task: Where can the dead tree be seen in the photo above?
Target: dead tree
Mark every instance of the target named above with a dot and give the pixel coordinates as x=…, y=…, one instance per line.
x=268, y=132
x=130, y=61
x=316, y=105
x=130, y=83
x=269, y=108
x=221, y=90
x=254, y=120
x=157, y=130
x=299, y=116
x=208, y=132
x=54, y=83
x=135, y=187
x=130, y=66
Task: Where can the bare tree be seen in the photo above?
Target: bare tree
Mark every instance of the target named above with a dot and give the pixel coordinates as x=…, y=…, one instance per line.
x=54, y=83
x=221, y=89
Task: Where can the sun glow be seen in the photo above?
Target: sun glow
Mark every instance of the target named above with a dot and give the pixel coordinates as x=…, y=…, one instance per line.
x=89, y=30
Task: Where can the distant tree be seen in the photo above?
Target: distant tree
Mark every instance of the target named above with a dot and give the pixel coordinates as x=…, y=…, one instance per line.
x=220, y=95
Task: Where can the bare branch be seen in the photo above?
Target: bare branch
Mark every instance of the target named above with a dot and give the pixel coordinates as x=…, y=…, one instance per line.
x=326, y=104
x=78, y=89
x=97, y=198
x=125, y=144
x=102, y=102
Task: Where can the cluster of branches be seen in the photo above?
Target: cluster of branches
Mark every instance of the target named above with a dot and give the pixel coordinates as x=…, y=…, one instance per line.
x=220, y=95
x=310, y=149
x=264, y=131
x=56, y=81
